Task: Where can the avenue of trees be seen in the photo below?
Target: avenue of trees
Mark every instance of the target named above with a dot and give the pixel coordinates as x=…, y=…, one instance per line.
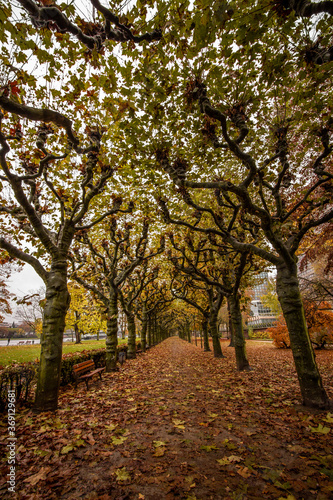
x=164, y=153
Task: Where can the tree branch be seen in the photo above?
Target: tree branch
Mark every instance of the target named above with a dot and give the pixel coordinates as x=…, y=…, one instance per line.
x=29, y=259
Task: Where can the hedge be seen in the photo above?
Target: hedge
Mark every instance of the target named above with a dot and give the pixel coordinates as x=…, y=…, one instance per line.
x=19, y=378
x=22, y=377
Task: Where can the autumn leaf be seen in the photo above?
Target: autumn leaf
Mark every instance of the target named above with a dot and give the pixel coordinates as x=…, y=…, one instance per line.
x=160, y=451
x=118, y=440
x=179, y=423
x=244, y=472
x=320, y=429
x=122, y=474
x=40, y=476
x=329, y=418
x=157, y=444
x=208, y=448
x=66, y=449
x=110, y=427
x=229, y=460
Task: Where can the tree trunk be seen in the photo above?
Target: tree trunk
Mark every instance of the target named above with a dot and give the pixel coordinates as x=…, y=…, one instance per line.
x=205, y=334
x=215, y=335
x=188, y=332
x=149, y=331
x=111, y=332
x=76, y=329
x=287, y=288
x=131, y=336
x=144, y=329
x=56, y=306
x=237, y=327
x=231, y=328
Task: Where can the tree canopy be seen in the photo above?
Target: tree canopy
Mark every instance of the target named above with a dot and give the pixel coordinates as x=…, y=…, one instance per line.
x=210, y=116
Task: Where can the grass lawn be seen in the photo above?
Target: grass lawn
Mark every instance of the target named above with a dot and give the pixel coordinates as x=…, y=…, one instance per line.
x=23, y=353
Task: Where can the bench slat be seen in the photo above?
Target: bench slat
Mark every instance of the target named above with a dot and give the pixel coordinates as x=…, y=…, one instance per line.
x=85, y=371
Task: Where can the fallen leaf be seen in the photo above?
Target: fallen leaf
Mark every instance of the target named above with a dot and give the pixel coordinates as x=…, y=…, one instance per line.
x=66, y=449
x=122, y=474
x=157, y=444
x=209, y=447
x=118, y=440
x=229, y=460
x=244, y=472
x=160, y=451
x=320, y=429
x=40, y=476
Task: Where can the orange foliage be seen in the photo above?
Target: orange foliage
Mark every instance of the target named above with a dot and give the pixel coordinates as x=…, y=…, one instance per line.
x=319, y=319
x=279, y=334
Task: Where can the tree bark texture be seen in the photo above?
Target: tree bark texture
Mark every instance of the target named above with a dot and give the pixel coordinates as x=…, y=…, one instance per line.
x=56, y=306
x=204, y=326
x=144, y=329
x=215, y=335
x=111, y=333
x=131, y=336
x=237, y=327
x=231, y=329
x=311, y=386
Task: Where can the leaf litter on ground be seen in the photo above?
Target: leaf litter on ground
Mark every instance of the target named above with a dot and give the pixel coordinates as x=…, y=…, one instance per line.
x=200, y=430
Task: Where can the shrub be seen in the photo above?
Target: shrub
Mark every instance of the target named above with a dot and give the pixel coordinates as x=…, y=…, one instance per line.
x=19, y=378
x=260, y=334
x=319, y=318
x=279, y=334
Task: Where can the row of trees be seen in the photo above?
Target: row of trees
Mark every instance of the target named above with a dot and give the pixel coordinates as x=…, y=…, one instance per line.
x=231, y=101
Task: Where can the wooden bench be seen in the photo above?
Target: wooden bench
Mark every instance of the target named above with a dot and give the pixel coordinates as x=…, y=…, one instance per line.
x=85, y=371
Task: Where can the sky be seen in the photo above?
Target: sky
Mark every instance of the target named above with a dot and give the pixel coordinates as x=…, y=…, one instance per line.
x=21, y=284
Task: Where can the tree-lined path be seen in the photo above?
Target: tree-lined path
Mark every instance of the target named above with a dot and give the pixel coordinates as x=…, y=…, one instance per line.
x=178, y=423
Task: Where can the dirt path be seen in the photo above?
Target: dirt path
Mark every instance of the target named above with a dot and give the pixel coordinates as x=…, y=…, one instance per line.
x=177, y=423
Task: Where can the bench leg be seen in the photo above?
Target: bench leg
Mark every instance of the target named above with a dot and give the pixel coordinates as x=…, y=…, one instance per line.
x=86, y=381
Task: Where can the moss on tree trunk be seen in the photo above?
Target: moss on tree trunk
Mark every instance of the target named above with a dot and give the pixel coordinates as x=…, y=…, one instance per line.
x=231, y=328
x=237, y=327
x=204, y=326
x=144, y=329
x=111, y=332
x=131, y=354
x=287, y=288
x=215, y=335
x=56, y=306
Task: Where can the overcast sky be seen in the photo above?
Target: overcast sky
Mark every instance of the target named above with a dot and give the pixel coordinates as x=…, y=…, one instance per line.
x=21, y=284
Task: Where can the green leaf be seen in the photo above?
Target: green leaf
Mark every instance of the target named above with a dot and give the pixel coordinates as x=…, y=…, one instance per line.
x=118, y=440
x=320, y=429
x=66, y=449
x=110, y=427
x=209, y=447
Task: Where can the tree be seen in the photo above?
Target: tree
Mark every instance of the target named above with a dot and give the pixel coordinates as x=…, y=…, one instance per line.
x=222, y=270
x=30, y=310
x=185, y=288
x=270, y=299
x=84, y=316
x=152, y=296
x=5, y=295
x=52, y=187
x=103, y=272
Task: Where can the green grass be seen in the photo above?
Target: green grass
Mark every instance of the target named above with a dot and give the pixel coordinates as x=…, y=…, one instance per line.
x=23, y=353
